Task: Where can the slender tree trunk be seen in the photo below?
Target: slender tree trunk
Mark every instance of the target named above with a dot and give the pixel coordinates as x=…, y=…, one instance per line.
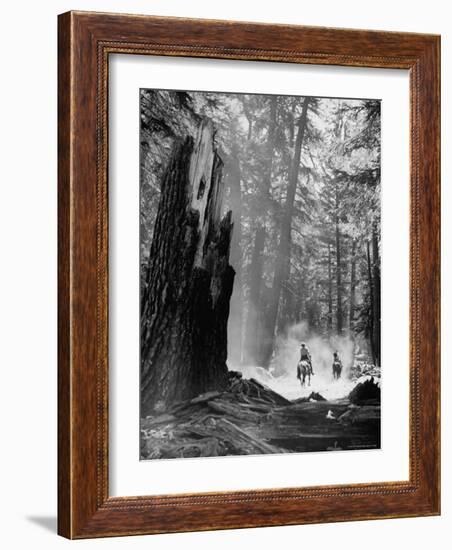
x=253, y=319
x=250, y=128
x=255, y=308
x=249, y=119
x=372, y=303
x=270, y=146
x=292, y=124
x=186, y=307
x=285, y=308
x=283, y=253
x=339, y=314
x=330, y=293
x=235, y=322
x=376, y=293
x=301, y=302
x=351, y=318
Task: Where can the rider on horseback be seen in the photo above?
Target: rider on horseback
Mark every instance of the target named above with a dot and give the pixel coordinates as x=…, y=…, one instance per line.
x=306, y=356
x=337, y=366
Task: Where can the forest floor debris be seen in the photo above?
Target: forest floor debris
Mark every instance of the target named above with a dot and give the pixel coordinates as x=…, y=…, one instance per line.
x=366, y=392
x=250, y=418
x=360, y=369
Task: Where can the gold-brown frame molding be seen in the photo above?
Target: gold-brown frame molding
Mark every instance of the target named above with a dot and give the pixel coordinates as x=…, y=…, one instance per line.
x=85, y=42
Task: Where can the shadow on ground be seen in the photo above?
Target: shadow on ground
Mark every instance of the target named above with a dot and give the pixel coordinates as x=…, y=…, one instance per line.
x=49, y=523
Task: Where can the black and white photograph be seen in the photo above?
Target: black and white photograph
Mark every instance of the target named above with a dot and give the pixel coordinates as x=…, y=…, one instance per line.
x=260, y=274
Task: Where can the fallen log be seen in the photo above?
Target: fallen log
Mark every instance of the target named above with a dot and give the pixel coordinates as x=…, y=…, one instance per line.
x=360, y=414
x=205, y=397
x=235, y=411
x=247, y=438
x=155, y=420
x=249, y=418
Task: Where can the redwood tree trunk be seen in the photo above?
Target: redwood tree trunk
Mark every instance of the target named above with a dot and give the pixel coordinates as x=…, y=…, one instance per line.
x=372, y=304
x=338, y=269
x=283, y=253
x=254, y=319
x=376, y=296
x=186, y=306
x=351, y=317
x=235, y=322
x=330, y=292
x=255, y=306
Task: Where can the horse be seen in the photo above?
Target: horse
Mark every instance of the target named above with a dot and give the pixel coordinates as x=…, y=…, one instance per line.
x=337, y=370
x=303, y=372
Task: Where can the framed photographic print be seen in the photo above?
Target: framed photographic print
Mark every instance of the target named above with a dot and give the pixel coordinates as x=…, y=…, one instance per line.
x=248, y=275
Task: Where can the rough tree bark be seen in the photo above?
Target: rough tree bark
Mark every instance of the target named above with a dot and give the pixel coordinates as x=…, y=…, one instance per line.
x=330, y=292
x=351, y=316
x=376, y=296
x=186, y=307
x=338, y=265
x=233, y=181
x=372, y=303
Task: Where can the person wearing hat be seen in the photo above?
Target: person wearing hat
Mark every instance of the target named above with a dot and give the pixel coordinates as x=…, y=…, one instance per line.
x=337, y=366
x=305, y=355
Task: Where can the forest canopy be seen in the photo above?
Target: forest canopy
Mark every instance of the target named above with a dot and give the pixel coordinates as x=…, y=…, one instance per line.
x=302, y=180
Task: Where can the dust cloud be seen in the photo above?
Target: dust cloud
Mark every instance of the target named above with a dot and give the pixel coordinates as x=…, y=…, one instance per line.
x=282, y=374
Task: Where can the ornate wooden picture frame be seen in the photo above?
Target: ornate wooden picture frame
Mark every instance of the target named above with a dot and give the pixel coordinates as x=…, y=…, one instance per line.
x=86, y=41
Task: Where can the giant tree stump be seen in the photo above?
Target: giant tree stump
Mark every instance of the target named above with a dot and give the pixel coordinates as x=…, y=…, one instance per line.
x=186, y=298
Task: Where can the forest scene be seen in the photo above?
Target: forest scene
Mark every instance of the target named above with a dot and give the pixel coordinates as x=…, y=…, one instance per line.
x=259, y=274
